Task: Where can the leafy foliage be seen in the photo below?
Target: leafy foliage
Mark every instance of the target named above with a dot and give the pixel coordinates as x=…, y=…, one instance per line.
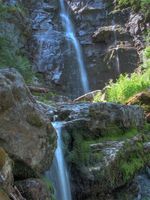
x=128, y=85
x=142, y=5
x=11, y=54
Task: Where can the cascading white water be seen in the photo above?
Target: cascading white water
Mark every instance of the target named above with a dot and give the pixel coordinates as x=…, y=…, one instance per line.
x=115, y=43
x=59, y=173
x=116, y=46
x=70, y=34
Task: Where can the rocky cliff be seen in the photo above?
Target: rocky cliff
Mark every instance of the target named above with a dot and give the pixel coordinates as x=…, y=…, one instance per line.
x=110, y=41
x=105, y=148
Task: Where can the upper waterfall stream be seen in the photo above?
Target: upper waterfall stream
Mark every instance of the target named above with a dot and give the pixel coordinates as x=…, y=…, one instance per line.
x=70, y=34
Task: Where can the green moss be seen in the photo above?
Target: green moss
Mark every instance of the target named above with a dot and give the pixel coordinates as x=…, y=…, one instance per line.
x=79, y=154
x=50, y=187
x=137, y=5
x=119, y=136
x=34, y=119
x=129, y=168
x=45, y=97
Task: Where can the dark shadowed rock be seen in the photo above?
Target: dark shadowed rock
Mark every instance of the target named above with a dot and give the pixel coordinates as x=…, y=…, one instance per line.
x=7, y=188
x=34, y=189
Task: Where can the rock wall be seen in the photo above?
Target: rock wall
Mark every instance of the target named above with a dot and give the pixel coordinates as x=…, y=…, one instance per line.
x=106, y=36
x=107, y=44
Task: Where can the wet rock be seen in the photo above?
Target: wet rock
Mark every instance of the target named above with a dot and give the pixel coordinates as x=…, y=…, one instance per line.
x=25, y=132
x=144, y=189
x=6, y=175
x=53, y=52
x=34, y=189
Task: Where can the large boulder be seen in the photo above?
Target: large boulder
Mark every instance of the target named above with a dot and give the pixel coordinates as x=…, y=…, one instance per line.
x=34, y=189
x=101, y=118
x=6, y=175
x=25, y=132
x=104, y=147
x=7, y=188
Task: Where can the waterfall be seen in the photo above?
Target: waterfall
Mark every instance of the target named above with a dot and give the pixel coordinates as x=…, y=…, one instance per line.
x=58, y=173
x=116, y=46
x=115, y=43
x=70, y=34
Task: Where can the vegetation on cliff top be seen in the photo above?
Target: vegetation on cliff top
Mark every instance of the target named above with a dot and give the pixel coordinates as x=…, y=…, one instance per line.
x=137, y=5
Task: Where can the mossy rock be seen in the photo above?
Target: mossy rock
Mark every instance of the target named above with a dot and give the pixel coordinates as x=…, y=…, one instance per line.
x=34, y=119
x=3, y=157
x=22, y=171
x=3, y=195
x=142, y=99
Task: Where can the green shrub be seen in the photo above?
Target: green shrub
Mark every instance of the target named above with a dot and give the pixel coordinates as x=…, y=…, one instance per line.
x=128, y=85
x=137, y=5
x=11, y=54
x=9, y=57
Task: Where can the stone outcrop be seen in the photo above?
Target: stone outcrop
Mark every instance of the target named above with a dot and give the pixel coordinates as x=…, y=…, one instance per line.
x=34, y=189
x=7, y=188
x=101, y=118
x=104, y=147
x=142, y=99
x=25, y=132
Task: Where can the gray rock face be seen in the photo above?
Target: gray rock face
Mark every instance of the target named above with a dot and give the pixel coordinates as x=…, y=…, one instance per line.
x=47, y=39
x=105, y=37
x=54, y=55
x=101, y=118
x=136, y=27
x=25, y=132
x=102, y=32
